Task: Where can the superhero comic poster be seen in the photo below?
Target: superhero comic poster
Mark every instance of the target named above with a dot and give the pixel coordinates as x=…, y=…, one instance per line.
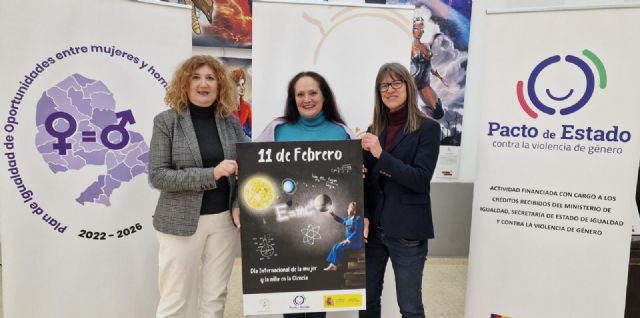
x=438, y=63
x=220, y=23
x=240, y=72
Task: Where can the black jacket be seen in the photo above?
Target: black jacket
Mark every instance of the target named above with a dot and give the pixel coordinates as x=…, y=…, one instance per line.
x=397, y=185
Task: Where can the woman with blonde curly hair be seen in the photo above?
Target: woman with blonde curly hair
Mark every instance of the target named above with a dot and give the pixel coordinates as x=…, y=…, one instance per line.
x=193, y=165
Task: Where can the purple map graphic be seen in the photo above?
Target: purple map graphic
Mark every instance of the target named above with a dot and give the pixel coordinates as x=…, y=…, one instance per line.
x=78, y=126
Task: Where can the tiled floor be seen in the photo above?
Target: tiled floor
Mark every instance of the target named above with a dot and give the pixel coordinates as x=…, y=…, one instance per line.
x=443, y=289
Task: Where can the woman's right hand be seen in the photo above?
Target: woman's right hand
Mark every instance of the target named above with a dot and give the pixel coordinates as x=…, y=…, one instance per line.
x=371, y=143
x=225, y=168
x=365, y=231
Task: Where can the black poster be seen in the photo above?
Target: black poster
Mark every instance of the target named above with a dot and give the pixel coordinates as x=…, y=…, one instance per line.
x=301, y=209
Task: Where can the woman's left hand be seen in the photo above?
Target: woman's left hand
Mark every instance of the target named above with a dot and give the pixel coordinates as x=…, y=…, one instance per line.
x=235, y=213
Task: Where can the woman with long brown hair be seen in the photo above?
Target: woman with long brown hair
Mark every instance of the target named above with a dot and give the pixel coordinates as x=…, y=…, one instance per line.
x=401, y=150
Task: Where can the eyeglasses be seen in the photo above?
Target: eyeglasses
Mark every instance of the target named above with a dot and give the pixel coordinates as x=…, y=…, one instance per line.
x=385, y=86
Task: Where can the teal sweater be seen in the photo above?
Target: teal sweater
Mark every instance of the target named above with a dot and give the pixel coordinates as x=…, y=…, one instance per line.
x=315, y=128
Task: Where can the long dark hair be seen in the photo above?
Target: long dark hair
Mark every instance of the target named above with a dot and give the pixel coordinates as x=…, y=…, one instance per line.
x=330, y=108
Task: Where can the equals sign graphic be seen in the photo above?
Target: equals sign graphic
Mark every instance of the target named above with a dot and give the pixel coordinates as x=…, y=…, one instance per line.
x=89, y=136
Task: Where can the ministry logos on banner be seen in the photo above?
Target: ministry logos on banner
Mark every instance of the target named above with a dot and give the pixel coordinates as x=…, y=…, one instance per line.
x=299, y=303
x=342, y=300
x=80, y=124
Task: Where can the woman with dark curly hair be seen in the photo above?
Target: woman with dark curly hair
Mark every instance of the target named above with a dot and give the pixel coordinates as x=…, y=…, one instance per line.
x=310, y=113
x=193, y=165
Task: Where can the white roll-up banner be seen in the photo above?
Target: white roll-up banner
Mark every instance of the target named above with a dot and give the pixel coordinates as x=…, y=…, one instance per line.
x=81, y=82
x=557, y=165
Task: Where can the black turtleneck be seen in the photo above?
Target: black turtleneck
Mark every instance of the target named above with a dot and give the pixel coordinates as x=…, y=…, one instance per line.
x=395, y=123
x=204, y=123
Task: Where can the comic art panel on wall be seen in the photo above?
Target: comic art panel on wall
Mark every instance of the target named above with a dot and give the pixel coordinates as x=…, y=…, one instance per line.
x=240, y=72
x=220, y=23
x=439, y=62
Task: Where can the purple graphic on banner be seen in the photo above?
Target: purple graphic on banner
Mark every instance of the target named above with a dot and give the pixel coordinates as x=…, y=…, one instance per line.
x=79, y=126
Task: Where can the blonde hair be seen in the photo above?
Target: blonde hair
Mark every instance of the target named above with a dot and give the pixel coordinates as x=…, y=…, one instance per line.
x=414, y=114
x=354, y=205
x=177, y=97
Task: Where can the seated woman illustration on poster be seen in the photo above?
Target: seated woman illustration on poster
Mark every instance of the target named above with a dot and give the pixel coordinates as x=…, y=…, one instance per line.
x=353, y=236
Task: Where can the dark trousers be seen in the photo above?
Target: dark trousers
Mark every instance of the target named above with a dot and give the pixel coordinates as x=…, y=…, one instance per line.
x=407, y=258
x=306, y=315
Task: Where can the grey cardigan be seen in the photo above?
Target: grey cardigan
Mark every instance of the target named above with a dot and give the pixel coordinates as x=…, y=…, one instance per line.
x=175, y=168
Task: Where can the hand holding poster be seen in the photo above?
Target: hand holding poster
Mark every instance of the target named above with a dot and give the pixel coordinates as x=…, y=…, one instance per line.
x=302, y=222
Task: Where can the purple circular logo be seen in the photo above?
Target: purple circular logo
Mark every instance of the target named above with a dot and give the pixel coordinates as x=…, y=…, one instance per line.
x=573, y=107
x=298, y=300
